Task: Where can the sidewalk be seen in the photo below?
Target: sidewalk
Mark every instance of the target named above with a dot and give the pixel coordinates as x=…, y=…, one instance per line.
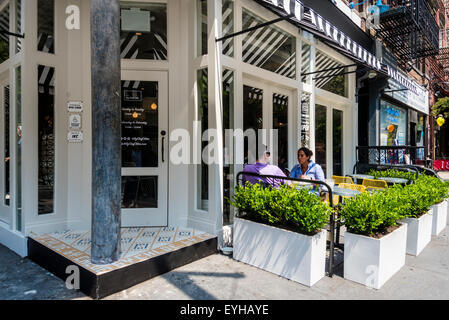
x=220, y=277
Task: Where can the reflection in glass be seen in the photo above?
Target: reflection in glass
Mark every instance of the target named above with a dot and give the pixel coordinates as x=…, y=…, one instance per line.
x=140, y=124
x=320, y=136
x=268, y=48
x=7, y=145
x=143, y=32
x=280, y=123
x=139, y=192
x=4, y=39
x=228, y=123
x=228, y=27
x=46, y=26
x=18, y=26
x=333, y=80
x=393, y=125
x=201, y=27
x=306, y=62
x=46, y=141
x=202, y=117
x=18, y=73
x=337, y=136
x=252, y=117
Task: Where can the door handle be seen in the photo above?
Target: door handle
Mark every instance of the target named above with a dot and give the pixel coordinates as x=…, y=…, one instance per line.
x=163, y=133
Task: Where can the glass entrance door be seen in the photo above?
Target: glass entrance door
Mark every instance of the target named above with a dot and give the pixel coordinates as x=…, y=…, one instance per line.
x=329, y=139
x=144, y=148
x=5, y=155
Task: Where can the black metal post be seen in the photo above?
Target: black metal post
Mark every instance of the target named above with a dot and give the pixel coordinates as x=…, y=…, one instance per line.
x=106, y=131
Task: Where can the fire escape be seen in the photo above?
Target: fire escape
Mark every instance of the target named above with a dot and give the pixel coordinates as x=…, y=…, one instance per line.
x=440, y=64
x=409, y=30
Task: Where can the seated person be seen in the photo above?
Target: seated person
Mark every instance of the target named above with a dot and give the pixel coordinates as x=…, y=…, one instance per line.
x=263, y=168
x=307, y=169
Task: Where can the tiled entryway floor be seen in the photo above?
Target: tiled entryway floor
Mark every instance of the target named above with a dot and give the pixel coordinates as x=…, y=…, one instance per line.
x=137, y=245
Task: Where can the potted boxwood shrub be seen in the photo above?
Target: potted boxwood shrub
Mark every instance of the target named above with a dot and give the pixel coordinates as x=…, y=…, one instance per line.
x=439, y=190
x=375, y=242
x=415, y=203
x=281, y=231
x=392, y=173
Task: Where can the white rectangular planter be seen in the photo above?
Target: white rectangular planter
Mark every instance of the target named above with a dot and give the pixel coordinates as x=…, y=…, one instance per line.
x=439, y=218
x=288, y=254
x=419, y=233
x=447, y=204
x=371, y=261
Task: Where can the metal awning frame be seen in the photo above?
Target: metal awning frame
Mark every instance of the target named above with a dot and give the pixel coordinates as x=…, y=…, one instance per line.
x=12, y=34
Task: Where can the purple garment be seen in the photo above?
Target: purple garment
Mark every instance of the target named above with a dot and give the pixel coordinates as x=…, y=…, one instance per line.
x=264, y=169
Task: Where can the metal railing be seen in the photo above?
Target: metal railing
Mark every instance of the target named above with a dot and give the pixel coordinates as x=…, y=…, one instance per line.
x=392, y=155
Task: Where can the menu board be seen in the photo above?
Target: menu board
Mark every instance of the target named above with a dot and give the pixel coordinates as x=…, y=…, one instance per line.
x=139, y=125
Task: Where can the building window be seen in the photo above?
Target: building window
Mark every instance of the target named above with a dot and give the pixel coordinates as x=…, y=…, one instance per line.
x=4, y=39
x=46, y=26
x=337, y=140
x=203, y=119
x=143, y=31
x=228, y=123
x=252, y=121
x=6, y=143
x=18, y=116
x=280, y=123
x=321, y=137
x=201, y=27
x=18, y=25
x=228, y=27
x=46, y=138
x=268, y=48
x=306, y=62
x=333, y=80
x=393, y=125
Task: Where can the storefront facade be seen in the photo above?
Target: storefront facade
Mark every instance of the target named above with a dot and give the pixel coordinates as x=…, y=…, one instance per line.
x=177, y=82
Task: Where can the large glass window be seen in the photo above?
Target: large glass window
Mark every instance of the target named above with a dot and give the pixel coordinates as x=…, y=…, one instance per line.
x=332, y=80
x=228, y=123
x=268, y=48
x=46, y=140
x=143, y=32
x=18, y=93
x=201, y=27
x=228, y=27
x=46, y=26
x=4, y=39
x=140, y=124
x=320, y=136
x=393, y=125
x=18, y=25
x=337, y=137
x=202, y=117
x=252, y=120
x=306, y=57
x=6, y=142
x=280, y=123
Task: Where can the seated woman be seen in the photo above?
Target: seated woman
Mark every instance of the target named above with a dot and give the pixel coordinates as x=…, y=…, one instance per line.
x=307, y=169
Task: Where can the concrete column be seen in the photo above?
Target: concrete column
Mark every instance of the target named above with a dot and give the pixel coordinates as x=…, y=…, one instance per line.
x=106, y=131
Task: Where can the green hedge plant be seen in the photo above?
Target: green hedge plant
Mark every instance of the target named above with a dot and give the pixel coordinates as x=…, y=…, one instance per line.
x=286, y=207
x=392, y=173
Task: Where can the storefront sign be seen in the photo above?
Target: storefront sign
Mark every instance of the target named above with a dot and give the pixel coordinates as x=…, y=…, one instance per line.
x=411, y=93
x=75, y=106
x=328, y=30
